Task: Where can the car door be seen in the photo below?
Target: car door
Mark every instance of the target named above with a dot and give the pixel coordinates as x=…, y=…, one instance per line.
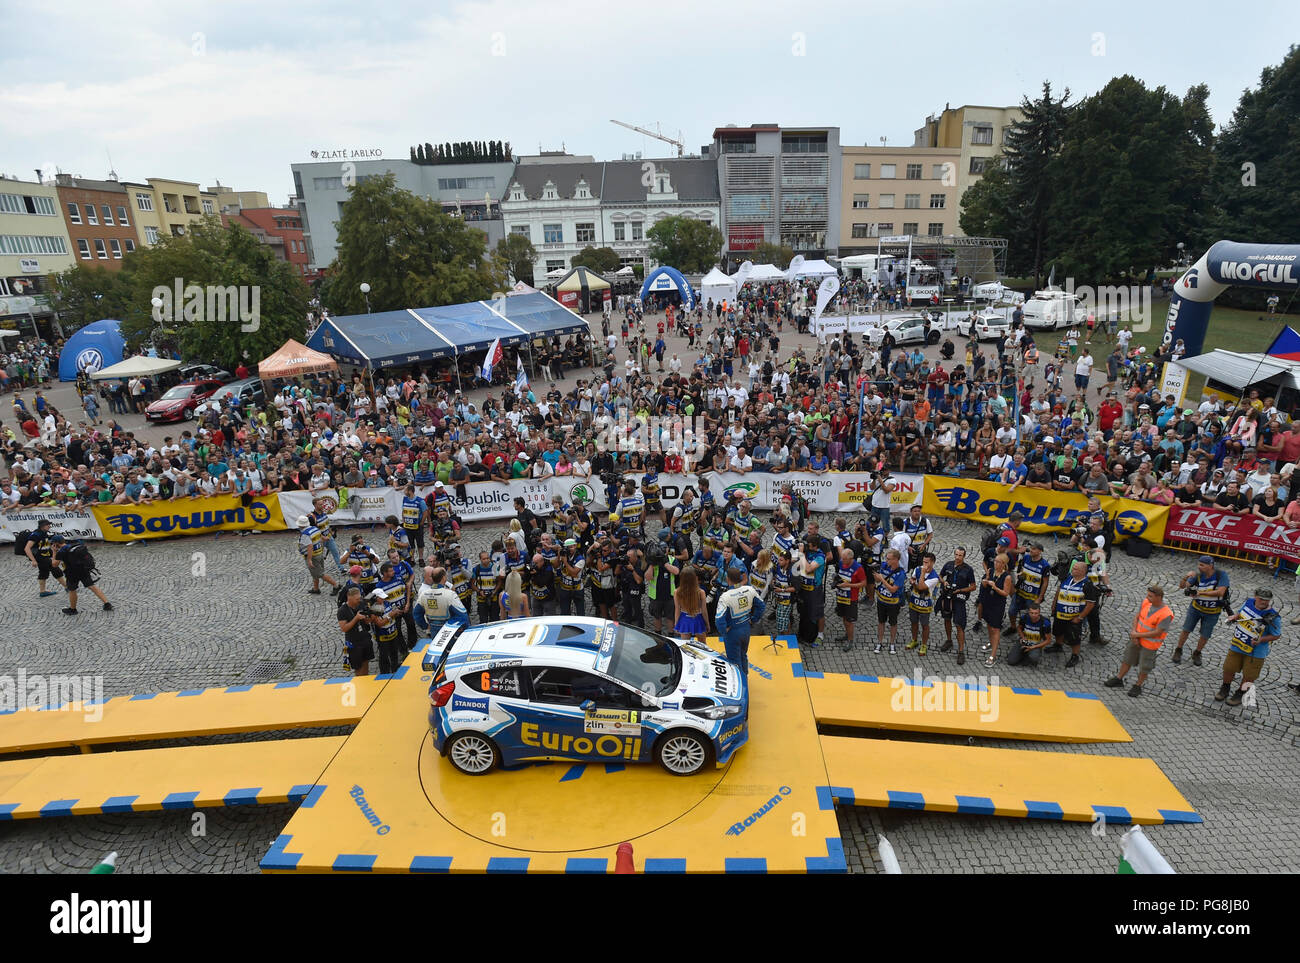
x=584, y=717
x=497, y=703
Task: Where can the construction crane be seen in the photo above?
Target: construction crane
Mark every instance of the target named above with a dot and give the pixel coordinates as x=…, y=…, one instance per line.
x=656, y=133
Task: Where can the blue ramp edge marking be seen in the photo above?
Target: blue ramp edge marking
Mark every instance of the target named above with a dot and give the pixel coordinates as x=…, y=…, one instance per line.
x=191, y=692
x=508, y=864
x=832, y=862
x=971, y=686
x=338, y=680
x=58, y=807
x=143, y=696
x=1021, y=691
x=579, y=865
x=7, y=810
x=238, y=688
x=801, y=673
x=289, y=684
x=976, y=805
x=431, y=864
x=905, y=800
x=277, y=857
x=864, y=678
x=180, y=800
x=612, y=767
x=745, y=864
x=421, y=645
x=118, y=804
x=573, y=772
x=354, y=862
x=1113, y=814
x=1081, y=695
x=242, y=797
x=790, y=641
x=306, y=794
x=664, y=866
x=1180, y=816
x=828, y=795
x=910, y=680
x=1037, y=809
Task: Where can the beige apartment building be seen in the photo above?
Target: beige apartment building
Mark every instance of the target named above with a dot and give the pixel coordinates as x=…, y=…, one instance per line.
x=166, y=207
x=978, y=133
x=891, y=191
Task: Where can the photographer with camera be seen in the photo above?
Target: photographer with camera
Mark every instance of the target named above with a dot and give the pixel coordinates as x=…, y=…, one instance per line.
x=631, y=586
x=661, y=575
x=355, y=620
x=541, y=586
x=957, y=581
x=569, y=591
x=602, y=574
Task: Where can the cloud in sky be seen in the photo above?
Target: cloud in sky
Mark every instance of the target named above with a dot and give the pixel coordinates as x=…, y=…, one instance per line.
x=239, y=90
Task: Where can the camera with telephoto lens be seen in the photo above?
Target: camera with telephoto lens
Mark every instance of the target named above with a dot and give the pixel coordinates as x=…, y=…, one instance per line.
x=1190, y=592
x=611, y=478
x=656, y=552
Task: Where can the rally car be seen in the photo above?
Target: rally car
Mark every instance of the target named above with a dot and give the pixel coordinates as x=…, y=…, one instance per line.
x=581, y=690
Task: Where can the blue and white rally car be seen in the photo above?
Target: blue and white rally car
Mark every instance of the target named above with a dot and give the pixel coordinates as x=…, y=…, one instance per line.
x=581, y=689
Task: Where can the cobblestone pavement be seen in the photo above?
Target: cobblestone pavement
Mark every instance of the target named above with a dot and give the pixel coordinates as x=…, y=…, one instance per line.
x=207, y=612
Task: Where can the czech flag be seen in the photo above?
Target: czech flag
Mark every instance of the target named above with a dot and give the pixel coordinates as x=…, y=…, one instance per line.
x=493, y=358
x=1285, y=346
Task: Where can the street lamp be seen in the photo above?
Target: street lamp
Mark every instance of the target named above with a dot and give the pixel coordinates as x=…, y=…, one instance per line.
x=1181, y=245
x=365, y=289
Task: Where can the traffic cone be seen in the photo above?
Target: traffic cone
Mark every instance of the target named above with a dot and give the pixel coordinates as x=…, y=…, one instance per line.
x=623, y=864
x=106, y=866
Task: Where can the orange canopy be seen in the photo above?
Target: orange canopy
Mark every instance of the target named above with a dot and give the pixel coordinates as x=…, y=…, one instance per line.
x=294, y=359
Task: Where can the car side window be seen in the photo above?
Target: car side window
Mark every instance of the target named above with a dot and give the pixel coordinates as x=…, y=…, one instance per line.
x=571, y=687
x=505, y=682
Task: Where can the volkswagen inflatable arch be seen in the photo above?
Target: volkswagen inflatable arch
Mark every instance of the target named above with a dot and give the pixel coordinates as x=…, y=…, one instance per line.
x=1272, y=267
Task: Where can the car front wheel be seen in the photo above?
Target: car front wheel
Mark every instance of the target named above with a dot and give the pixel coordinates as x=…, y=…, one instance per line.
x=473, y=753
x=683, y=753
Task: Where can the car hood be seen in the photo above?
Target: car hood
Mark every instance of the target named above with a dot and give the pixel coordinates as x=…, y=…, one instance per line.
x=708, y=676
x=164, y=404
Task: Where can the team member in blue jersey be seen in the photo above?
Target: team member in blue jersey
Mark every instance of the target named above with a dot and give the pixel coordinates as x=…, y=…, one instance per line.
x=890, y=582
x=1254, y=626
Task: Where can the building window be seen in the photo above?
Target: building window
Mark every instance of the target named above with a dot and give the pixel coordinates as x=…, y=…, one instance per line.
x=981, y=134
x=636, y=231
x=12, y=204
x=130, y=246
x=519, y=229
x=552, y=233
x=116, y=246
x=101, y=251
x=554, y=266
x=861, y=200
x=620, y=231
x=886, y=200
x=862, y=230
x=935, y=229
x=889, y=171
x=938, y=201
x=885, y=227
x=913, y=172
x=91, y=216
x=978, y=165
x=150, y=235
x=586, y=233
x=84, y=247
x=74, y=213
x=466, y=183
x=937, y=171
x=861, y=172
x=29, y=244
x=144, y=202
x=108, y=214
x=327, y=183
x=207, y=206
x=121, y=216
x=911, y=227
x=911, y=201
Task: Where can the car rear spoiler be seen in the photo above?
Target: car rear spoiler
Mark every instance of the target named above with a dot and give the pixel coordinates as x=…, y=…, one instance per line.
x=440, y=647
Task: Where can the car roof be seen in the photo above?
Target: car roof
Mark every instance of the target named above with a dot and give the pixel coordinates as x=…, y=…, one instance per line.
x=551, y=640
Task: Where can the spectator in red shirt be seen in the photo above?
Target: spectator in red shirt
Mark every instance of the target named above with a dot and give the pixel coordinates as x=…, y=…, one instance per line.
x=1109, y=413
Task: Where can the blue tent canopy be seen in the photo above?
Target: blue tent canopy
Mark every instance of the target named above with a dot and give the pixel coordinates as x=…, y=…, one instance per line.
x=668, y=279
x=414, y=335
x=95, y=346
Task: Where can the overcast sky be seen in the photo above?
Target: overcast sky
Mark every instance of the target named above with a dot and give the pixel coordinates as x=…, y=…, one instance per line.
x=240, y=89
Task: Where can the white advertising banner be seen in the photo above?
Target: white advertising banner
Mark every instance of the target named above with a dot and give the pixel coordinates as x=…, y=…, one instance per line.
x=853, y=323
x=1174, y=382
x=831, y=492
x=81, y=525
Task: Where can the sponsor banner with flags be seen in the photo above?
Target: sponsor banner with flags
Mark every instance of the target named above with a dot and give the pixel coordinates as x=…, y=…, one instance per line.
x=1194, y=528
x=80, y=525
x=845, y=491
x=1044, y=511
x=188, y=516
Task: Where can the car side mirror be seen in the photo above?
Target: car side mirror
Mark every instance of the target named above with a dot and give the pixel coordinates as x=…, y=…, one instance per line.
x=587, y=705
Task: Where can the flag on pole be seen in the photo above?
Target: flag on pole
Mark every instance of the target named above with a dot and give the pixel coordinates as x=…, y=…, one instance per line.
x=521, y=376
x=1285, y=346
x=829, y=287
x=492, y=360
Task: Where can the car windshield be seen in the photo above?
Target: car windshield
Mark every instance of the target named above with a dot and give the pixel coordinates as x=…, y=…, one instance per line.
x=180, y=391
x=645, y=661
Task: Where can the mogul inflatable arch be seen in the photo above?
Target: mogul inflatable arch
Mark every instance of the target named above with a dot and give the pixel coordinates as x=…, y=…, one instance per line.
x=1272, y=267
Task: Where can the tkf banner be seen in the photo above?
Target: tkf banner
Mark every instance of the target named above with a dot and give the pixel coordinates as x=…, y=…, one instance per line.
x=1241, y=533
x=192, y=516
x=1044, y=511
x=844, y=491
x=70, y=524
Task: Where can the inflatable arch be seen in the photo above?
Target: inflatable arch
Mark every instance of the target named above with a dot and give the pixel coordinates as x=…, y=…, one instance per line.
x=1271, y=267
x=668, y=279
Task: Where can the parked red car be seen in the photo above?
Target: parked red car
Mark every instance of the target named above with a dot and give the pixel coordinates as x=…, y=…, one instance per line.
x=178, y=403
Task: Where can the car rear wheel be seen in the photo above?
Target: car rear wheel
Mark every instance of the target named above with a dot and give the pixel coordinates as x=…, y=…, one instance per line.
x=683, y=753
x=473, y=753
x=932, y=338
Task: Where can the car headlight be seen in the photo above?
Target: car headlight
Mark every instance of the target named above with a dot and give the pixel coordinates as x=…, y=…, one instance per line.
x=716, y=712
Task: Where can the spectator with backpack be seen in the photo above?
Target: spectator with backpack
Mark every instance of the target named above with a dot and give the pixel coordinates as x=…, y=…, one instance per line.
x=79, y=566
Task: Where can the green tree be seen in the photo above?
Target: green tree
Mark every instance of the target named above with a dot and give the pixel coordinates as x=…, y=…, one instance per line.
x=685, y=243
x=83, y=295
x=212, y=256
x=986, y=211
x=599, y=259
x=775, y=254
x=517, y=255
x=408, y=251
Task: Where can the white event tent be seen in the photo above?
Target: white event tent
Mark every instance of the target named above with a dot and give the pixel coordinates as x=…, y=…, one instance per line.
x=717, y=287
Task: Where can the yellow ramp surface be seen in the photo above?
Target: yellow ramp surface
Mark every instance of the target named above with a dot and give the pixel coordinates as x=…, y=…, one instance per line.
x=185, y=777
x=391, y=803
x=1000, y=782
x=192, y=712
x=970, y=708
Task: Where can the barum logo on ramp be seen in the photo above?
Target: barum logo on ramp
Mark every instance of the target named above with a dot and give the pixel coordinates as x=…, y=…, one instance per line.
x=738, y=828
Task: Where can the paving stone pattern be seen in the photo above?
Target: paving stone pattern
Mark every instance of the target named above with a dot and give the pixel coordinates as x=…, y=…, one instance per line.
x=175, y=629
